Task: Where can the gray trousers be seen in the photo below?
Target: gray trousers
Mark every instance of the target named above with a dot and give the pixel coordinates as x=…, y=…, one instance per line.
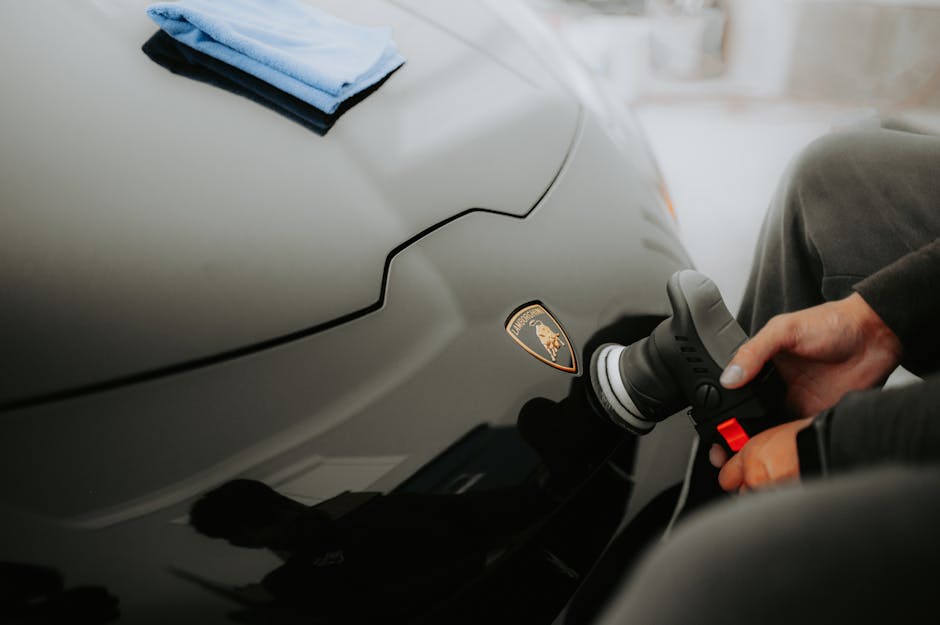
x=858, y=548
x=849, y=205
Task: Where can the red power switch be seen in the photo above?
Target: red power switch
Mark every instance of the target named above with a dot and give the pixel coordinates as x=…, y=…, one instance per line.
x=733, y=434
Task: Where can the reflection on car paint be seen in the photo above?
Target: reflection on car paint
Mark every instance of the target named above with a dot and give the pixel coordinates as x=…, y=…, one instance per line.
x=473, y=536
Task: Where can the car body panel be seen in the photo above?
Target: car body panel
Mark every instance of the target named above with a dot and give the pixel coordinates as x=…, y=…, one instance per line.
x=545, y=193
x=179, y=222
x=106, y=480
x=442, y=314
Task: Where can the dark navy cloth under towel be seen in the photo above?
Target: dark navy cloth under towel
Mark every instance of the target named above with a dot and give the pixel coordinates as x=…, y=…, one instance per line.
x=185, y=61
x=288, y=44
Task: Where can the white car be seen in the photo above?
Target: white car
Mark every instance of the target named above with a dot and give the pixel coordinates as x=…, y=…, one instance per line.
x=195, y=289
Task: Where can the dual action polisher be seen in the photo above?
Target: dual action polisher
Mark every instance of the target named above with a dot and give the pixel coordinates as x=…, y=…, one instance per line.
x=678, y=365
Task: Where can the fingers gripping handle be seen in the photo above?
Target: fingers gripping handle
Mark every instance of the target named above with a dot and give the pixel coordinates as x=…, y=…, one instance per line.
x=701, y=322
x=680, y=364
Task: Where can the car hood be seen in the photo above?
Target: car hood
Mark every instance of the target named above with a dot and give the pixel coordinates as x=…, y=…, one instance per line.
x=148, y=221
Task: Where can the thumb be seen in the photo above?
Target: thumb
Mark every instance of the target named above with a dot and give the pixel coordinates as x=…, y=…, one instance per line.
x=754, y=354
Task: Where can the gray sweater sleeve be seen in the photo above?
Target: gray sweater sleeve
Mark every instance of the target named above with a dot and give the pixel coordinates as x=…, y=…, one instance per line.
x=900, y=424
x=906, y=295
x=895, y=425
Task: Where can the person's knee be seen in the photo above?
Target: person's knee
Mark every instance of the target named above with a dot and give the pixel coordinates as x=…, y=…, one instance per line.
x=834, y=150
x=827, y=161
x=684, y=580
x=818, y=191
x=829, y=543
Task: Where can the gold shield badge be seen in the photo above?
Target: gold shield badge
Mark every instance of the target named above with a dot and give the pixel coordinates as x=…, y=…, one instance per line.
x=535, y=330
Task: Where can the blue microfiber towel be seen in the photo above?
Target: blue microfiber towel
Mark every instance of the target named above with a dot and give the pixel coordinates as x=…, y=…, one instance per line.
x=291, y=45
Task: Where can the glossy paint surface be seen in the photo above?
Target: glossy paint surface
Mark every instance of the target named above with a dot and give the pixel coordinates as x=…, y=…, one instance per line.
x=492, y=480
x=149, y=220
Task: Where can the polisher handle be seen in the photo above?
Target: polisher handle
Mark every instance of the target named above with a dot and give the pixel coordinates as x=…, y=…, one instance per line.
x=698, y=342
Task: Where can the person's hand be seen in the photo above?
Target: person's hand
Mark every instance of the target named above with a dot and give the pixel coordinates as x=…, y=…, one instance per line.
x=821, y=353
x=768, y=458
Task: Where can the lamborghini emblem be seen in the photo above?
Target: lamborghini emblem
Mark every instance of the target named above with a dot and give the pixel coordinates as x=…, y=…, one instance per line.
x=535, y=330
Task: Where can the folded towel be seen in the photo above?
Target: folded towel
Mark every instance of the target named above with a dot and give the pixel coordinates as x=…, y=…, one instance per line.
x=185, y=61
x=291, y=45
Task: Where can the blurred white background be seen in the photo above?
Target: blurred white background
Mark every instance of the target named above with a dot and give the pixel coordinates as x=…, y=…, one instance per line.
x=728, y=91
